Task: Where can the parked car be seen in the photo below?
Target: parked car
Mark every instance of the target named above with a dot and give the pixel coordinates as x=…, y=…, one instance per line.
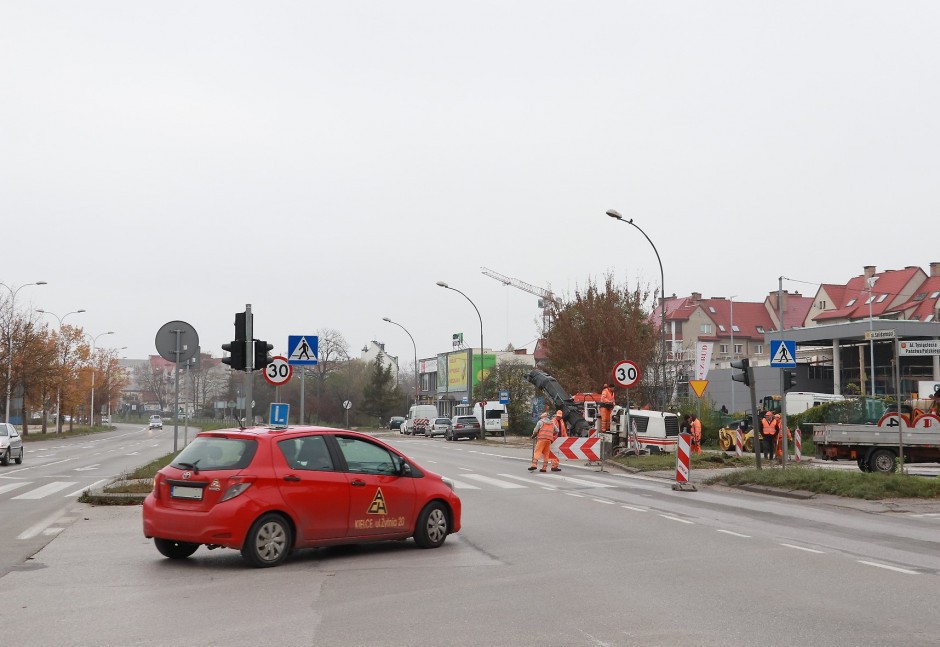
x=156, y=422
x=395, y=422
x=11, y=444
x=439, y=427
x=463, y=427
x=106, y=420
x=267, y=492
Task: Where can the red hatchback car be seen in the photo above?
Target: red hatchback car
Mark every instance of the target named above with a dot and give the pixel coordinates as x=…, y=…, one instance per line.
x=267, y=491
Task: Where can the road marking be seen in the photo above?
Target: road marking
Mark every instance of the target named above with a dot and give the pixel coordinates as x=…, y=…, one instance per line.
x=576, y=481
x=12, y=486
x=634, y=508
x=890, y=568
x=463, y=486
x=604, y=501
x=530, y=481
x=808, y=550
x=46, y=490
x=734, y=534
x=671, y=518
x=466, y=469
x=575, y=494
x=491, y=481
x=87, y=487
x=31, y=532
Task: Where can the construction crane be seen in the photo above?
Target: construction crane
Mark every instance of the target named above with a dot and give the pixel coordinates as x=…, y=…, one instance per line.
x=546, y=298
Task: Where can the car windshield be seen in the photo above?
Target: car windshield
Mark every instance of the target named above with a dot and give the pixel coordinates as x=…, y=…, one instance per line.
x=466, y=420
x=442, y=421
x=215, y=453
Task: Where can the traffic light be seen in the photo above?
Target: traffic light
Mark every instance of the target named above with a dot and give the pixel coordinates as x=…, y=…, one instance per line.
x=241, y=326
x=262, y=358
x=236, y=358
x=744, y=365
x=789, y=380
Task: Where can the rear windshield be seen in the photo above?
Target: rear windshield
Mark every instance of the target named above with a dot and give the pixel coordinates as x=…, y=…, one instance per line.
x=215, y=453
x=466, y=420
x=442, y=421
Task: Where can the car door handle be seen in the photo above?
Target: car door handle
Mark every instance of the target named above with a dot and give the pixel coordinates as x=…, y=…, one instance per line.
x=291, y=477
x=357, y=483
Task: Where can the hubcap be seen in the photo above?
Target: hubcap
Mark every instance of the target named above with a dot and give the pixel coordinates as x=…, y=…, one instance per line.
x=437, y=525
x=271, y=541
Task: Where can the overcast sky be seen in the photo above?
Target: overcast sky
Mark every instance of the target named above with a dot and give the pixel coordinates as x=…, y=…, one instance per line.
x=329, y=162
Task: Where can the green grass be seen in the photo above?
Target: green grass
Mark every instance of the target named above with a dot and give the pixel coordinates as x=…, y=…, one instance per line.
x=139, y=481
x=658, y=462
x=856, y=485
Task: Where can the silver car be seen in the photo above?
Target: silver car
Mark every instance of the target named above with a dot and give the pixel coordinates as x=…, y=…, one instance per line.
x=439, y=427
x=11, y=444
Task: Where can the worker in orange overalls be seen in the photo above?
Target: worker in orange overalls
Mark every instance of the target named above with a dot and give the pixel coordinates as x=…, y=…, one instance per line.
x=779, y=423
x=545, y=432
x=563, y=432
x=768, y=432
x=695, y=425
x=607, y=407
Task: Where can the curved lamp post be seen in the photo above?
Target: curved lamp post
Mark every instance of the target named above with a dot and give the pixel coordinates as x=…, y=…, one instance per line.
x=416, y=353
x=662, y=299
x=444, y=285
x=10, y=341
x=94, y=340
x=58, y=389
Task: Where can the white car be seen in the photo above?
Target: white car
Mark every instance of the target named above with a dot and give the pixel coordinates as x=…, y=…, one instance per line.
x=11, y=445
x=156, y=422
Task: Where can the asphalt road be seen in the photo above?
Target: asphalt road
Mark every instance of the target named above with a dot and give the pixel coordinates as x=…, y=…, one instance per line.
x=576, y=558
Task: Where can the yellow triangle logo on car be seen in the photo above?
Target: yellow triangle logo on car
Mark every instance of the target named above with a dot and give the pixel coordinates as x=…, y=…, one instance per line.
x=378, y=503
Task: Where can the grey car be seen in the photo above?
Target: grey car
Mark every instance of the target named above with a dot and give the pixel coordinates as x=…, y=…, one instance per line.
x=439, y=427
x=11, y=444
x=463, y=427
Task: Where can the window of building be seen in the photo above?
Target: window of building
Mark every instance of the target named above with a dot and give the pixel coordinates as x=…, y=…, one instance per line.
x=760, y=329
x=821, y=305
x=758, y=349
x=735, y=328
x=711, y=309
x=739, y=348
x=934, y=295
x=883, y=297
x=721, y=327
x=929, y=318
x=723, y=349
x=870, y=298
x=705, y=329
x=920, y=296
x=851, y=303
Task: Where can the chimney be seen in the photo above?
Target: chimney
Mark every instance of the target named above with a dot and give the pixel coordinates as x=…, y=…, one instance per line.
x=696, y=297
x=869, y=271
x=935, y=269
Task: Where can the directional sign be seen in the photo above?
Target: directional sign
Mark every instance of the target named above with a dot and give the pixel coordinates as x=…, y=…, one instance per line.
x=278, y=372
x=302, y=349
x=783, y=353
x=588, y=449
x=626, y=373
x=278, y=414
x=880, y=334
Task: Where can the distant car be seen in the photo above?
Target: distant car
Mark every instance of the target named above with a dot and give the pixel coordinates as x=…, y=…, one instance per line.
x=439, y=427
x=11, y=444
x=395, y=422
x=156, y=422
x=463, y=427
x=267, y=492
x=106, y=420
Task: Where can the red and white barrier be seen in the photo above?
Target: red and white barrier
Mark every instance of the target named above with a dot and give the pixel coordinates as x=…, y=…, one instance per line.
x=588, y=449
x=739, y=442
x=798, y=444
x=682, y=458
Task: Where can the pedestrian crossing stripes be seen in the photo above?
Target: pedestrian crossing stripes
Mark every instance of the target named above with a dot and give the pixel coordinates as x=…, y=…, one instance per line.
x=550, y=482
x=35, y=492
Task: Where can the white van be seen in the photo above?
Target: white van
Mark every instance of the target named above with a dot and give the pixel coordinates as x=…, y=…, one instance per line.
x=492, y=420
x=419, y=418
x=656, y=431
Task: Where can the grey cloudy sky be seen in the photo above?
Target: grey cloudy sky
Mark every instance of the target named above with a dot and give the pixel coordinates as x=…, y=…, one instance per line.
x=328, y=162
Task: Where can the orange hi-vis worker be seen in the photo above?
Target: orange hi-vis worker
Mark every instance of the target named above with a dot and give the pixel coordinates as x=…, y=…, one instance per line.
x=779, y=424
x=768, y=431
x=545, y=432
x=563, y=432
x=696, y=428
x=607, y=406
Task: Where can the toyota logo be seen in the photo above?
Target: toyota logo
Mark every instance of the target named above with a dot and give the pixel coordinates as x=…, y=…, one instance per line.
x=187, y=475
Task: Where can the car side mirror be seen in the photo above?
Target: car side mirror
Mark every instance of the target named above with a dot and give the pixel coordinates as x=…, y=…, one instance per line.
x=405, y=470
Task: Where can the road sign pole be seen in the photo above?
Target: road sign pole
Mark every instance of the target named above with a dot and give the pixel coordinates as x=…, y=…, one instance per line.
x=249, y=364
x=303, y=372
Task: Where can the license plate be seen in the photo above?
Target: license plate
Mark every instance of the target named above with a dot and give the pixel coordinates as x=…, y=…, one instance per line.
x=184, y=492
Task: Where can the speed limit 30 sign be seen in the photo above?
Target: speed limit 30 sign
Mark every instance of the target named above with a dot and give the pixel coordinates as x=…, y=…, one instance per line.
x=626, y=373
x=278, y=372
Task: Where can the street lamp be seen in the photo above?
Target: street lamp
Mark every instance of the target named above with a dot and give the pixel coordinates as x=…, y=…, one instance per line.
x=871, y=340
x=94, y=340
x=416, y=353
x=732, y=298
x=58, y=388
x=10, y=342
x=482, y=432
x=662, y=297
x=108, y=380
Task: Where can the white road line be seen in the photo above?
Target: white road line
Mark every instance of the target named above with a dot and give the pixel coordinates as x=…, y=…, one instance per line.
x=634, y=508
x=466, y=469
x=460, y=485
x=733, y=534
x=531, y=481
x=575, y=494
x=575, y=481
x=890, y=568
x=671, y=518
x=31, y=532
x=506, y=485
x=87, y=487
x=604, y=501
x=808, y=550
x=46, y=490
x=12, y=486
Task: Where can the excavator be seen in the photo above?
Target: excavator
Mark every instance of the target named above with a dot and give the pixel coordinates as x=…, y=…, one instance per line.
x=571, y=410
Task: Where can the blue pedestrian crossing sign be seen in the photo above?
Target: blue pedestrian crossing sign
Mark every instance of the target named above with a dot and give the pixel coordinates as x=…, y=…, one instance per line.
x=279, y=413
x=782, y=353
x=302, y=349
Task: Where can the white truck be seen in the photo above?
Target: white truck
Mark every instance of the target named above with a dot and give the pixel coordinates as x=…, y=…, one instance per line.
x=876, y=447
x=657, y=432
x=491, y=420
x=419, y=418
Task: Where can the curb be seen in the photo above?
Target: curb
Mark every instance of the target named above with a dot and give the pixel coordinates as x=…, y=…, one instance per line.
x=98, y=496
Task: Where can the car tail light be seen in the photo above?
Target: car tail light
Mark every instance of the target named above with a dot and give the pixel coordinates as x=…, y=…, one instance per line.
x=157, y=483
x=237, y=485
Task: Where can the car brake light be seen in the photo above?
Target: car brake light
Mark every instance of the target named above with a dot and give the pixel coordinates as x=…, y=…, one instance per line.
x=157, y=482
x=236, y=486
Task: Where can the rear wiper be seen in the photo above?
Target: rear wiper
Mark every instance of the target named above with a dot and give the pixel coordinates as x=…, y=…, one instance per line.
x=191, y=466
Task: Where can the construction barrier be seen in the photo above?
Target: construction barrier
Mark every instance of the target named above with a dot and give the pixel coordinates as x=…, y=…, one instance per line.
x=588, y=449
x=682, y=459
x=739, y=443
x=798, y=444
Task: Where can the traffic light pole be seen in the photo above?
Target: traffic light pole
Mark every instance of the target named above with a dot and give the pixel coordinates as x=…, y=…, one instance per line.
x=249, y=365
x=784, y=379
x=755, y=439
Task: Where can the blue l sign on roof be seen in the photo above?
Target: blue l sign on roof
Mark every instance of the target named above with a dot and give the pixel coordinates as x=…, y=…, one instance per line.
x=302, y=349
x=782, y=353
x=279, y=412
